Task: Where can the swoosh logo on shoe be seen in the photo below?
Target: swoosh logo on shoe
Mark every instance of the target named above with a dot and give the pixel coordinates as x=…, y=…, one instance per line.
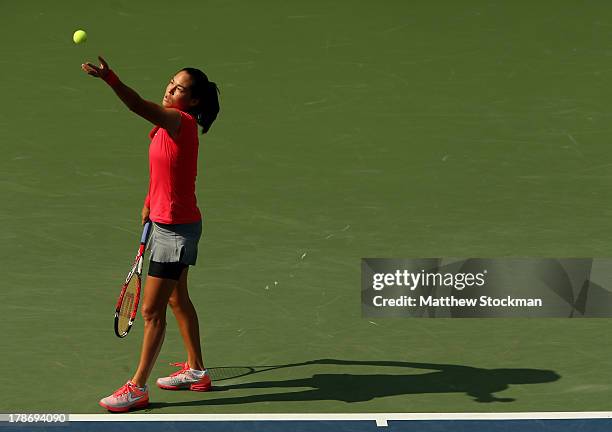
x=131, y=399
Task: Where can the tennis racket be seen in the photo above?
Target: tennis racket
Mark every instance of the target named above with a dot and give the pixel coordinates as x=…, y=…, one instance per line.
x=127, y=305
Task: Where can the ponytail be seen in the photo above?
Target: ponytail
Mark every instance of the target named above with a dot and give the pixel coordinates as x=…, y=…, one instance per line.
x=207, y=93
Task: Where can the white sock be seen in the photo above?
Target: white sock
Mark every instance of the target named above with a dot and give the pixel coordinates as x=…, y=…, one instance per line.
x=139, y=388
x=198, y=373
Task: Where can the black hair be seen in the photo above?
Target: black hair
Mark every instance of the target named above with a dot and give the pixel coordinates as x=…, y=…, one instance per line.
x=207, y=93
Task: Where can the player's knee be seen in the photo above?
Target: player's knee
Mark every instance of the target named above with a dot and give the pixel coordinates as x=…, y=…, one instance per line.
x=179, y=303
x=152, y=314
x=174, y=302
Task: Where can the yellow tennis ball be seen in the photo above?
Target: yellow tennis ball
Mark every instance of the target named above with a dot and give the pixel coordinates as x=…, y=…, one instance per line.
x=79, y=36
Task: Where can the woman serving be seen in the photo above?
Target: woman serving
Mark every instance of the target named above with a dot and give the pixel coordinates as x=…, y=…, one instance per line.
x=190, y=100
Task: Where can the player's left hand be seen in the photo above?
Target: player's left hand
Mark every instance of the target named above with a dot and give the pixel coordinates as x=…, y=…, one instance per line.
x=100, y=71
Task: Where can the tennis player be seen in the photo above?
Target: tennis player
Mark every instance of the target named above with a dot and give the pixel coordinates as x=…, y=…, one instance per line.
x=190, y=99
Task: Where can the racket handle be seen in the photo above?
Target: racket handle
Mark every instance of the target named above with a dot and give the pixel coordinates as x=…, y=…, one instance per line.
x=145, y=232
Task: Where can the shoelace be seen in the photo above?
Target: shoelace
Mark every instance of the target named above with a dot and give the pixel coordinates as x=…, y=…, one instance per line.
x=184, y=367
x=180, y=372
x=122, y=390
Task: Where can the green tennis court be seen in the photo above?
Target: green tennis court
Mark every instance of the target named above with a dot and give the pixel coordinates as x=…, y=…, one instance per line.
x=347, y=130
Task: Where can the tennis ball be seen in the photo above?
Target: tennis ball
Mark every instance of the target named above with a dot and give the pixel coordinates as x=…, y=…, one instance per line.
x=79, y=36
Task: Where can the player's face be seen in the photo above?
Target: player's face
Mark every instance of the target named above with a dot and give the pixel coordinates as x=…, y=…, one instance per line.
x=177, y=93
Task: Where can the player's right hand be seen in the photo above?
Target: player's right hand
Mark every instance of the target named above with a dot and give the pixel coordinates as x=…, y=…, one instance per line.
x=145, y=214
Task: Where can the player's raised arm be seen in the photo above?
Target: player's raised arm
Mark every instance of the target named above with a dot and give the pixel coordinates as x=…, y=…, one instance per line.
x=167, y=118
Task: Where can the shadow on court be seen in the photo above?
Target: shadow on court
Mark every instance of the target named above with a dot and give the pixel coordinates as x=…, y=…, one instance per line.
x=477, y=383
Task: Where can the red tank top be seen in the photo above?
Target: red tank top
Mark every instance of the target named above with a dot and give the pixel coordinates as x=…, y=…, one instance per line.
x=173, y=166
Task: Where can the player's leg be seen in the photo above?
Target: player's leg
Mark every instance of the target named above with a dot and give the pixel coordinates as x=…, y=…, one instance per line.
x=156, y=294
x=192, y=375
x=135, y=394
x=187, y=319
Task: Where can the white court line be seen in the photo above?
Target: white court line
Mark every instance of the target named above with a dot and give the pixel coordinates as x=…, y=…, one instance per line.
x=381, y=419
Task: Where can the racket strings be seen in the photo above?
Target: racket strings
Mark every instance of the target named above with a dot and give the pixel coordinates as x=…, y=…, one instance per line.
x=128, y=304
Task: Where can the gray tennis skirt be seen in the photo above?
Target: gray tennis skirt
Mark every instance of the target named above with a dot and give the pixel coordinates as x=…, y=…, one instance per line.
x=175, y=243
